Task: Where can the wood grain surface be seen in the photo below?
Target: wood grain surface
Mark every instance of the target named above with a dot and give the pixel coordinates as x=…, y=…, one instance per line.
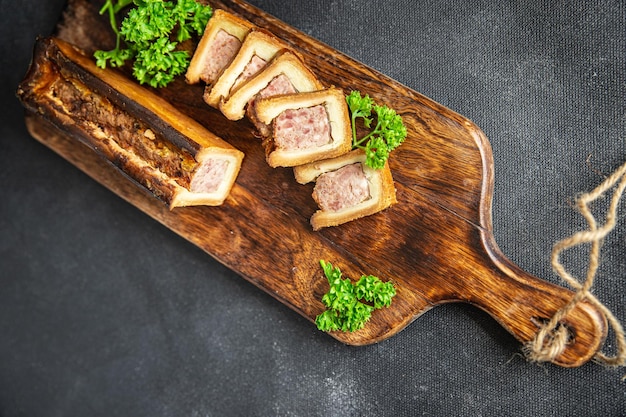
x=435, y=244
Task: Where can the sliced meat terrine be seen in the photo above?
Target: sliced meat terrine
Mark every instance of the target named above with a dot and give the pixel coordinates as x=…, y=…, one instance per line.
x=257, y=50
x=346, y=189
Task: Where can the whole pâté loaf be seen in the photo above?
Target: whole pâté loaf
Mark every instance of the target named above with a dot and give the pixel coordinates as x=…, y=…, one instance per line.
x=153, y=143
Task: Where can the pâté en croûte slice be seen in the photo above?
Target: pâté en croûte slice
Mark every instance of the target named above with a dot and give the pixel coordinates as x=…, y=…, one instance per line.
x=305, y=127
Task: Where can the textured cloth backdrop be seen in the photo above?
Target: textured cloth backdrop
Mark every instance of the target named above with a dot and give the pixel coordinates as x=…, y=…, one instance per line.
x=105, y=312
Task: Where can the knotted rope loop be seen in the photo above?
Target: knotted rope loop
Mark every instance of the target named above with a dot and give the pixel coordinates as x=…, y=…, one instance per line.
x=553, y=336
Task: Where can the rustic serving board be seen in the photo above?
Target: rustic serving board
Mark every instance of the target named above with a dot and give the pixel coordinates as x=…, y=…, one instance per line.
x=436, y=244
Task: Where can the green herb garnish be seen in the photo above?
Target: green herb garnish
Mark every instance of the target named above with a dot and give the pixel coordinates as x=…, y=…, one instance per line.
x=384, y=136
x=151, y=32
x=344, y=309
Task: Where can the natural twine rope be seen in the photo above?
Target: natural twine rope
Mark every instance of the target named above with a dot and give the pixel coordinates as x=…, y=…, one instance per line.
x=553, y=337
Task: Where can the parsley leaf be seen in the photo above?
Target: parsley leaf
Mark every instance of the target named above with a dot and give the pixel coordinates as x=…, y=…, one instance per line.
x=344, y=309
x=384, y=136
x=151, y=33
x=159, y=63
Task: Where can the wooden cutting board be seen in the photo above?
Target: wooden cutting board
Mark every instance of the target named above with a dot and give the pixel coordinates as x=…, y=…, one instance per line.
x=436, y=244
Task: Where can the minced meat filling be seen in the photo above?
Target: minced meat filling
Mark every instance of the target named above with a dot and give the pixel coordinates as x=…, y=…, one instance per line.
x=93, y=111
x=279, y=85
x=223, y=49
x=209, y=176
x=255, y=65
x=303, y=128
x=345, y=187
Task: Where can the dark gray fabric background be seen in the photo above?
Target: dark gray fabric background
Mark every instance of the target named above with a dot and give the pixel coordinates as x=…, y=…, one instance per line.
x=104, y=312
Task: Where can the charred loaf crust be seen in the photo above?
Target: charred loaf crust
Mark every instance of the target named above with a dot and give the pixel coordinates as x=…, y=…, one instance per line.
x=258, y=42
x=286, y=63
x=221, y=20
x=333, y=99
x=180, y=129
x=107, y=112
x=382, y=189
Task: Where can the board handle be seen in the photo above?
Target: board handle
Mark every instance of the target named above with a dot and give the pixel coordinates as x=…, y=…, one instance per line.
x=523, y=303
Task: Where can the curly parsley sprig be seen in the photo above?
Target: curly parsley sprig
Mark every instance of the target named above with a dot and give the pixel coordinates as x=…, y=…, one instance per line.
x=151, y=32
x=344, y=310
x=383, y=137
